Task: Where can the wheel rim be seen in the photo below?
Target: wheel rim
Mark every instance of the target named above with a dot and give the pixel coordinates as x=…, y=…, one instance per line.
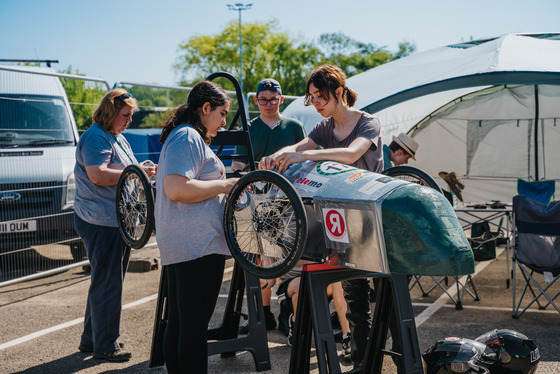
x=134, y=207
x=264, y=225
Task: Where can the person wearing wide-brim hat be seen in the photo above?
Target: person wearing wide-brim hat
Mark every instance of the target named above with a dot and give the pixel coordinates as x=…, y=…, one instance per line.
x=399, y=151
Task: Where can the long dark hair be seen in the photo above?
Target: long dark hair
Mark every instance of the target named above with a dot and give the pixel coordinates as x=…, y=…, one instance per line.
x=203, y=92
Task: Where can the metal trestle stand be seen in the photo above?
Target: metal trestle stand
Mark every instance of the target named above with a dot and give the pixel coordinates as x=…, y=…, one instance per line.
x=224, y=338
x=393, y=301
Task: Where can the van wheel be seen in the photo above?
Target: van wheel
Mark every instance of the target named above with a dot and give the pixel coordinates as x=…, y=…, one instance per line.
x=135, y=207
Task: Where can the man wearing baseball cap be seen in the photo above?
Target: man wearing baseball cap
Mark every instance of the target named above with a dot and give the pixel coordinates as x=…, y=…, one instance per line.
x=269, y=132
x=401, y=149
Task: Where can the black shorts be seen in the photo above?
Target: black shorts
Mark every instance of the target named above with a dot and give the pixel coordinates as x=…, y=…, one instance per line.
x=283, y=288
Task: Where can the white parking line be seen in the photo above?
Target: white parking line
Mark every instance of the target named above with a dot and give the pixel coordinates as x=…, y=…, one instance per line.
x=77, y=321
x=420, y=319
x=37, y=334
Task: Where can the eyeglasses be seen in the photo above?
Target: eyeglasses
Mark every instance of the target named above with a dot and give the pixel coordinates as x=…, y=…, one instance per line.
x=124, y=96
x=273, y=101
x=312, y=100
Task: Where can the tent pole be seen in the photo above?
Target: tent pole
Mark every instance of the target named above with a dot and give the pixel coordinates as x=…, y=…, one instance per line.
x=536, y=132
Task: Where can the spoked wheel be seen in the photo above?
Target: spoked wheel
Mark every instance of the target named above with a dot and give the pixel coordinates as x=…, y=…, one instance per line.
x=135, y=207
x=265, y=224
x=413, y=175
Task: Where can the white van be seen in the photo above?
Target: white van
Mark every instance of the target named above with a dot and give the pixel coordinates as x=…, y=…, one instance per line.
x=38, y=138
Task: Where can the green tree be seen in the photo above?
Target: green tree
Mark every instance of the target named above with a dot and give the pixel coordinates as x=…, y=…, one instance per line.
x=83, y=96
x=351, y=55
x=405, y=49
x=267, y=52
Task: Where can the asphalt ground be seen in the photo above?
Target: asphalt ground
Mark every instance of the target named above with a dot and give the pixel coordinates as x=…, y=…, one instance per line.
x=41, y=322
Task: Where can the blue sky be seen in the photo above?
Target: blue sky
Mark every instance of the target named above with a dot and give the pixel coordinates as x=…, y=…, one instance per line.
x=137, y=41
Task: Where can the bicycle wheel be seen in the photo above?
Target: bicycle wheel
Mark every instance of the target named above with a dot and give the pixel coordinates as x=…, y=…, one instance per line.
x=265, y=224
x=135, y=207
x=412, y=174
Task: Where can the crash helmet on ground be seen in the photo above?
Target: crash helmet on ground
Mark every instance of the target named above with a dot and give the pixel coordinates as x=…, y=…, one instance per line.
x=454, y=355
x=516, y=353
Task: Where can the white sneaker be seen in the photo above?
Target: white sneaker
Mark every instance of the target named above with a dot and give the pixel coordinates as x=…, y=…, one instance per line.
x=291, y=323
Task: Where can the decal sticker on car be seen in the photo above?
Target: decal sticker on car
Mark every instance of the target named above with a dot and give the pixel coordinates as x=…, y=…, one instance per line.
x=335, y=225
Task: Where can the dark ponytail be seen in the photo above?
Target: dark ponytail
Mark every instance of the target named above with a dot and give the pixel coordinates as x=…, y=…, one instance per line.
x=188, y=113
x=349, y=96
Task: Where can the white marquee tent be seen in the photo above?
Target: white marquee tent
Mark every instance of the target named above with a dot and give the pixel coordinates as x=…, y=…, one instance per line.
x=472, y=107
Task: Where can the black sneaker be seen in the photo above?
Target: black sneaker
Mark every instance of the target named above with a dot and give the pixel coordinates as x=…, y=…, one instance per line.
x=119, y=355
x=338, y=337
x=291, y=322
x=88, y=348
x=284, y=316
x=346, y=349
x=269, y=320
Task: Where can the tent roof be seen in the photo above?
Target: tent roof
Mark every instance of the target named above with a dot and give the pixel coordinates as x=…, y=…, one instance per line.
x=450, y=71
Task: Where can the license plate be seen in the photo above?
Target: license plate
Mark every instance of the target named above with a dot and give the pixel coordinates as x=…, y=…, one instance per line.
x=18, y=226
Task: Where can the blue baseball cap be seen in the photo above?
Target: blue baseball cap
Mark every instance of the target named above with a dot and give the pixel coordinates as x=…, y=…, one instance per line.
x=269, y=84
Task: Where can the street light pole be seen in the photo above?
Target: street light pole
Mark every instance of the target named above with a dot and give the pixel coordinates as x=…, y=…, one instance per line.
x=240, y=7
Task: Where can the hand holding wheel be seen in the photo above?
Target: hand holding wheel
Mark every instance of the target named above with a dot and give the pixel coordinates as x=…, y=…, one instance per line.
x=265, y=224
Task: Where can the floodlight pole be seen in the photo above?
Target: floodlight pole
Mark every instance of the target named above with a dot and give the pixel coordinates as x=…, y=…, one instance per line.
x=240, y=7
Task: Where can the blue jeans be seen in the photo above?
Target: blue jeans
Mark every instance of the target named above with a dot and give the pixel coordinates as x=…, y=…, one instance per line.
x=108, y=256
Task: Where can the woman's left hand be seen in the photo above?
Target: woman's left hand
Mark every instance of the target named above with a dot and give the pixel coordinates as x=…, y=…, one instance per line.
x=267, y=163
x=284, y=160
x=149, y=167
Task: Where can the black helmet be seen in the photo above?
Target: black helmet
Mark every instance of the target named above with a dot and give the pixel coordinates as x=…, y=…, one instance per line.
x=516, y=353
x=455, y=355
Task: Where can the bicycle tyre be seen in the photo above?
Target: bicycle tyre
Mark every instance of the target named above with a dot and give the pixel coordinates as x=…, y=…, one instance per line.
x=135, y=207
x=265, y=224
x=412, y=174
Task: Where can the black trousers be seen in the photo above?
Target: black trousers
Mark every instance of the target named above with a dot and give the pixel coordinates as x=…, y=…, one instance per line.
x=356, y=293
x=193, y=289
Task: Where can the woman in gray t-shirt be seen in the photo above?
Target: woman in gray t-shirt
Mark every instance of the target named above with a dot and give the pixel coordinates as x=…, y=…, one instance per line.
x=347, y=135
x=188, y=213
x=101, y=155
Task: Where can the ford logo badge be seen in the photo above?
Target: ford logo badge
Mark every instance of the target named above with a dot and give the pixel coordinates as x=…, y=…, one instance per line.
x=9, y=196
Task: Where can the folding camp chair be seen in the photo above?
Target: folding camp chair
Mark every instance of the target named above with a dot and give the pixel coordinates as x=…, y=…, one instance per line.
x=466, y=287
x=541, y=191
x=536, y=253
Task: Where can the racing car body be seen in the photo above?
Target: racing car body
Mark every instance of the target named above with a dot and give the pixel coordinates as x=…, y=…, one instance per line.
x=370, y=221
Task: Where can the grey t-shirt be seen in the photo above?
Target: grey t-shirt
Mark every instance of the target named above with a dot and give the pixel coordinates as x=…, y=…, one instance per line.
x=187, y=231
x=367, y=127
x=97, y=204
